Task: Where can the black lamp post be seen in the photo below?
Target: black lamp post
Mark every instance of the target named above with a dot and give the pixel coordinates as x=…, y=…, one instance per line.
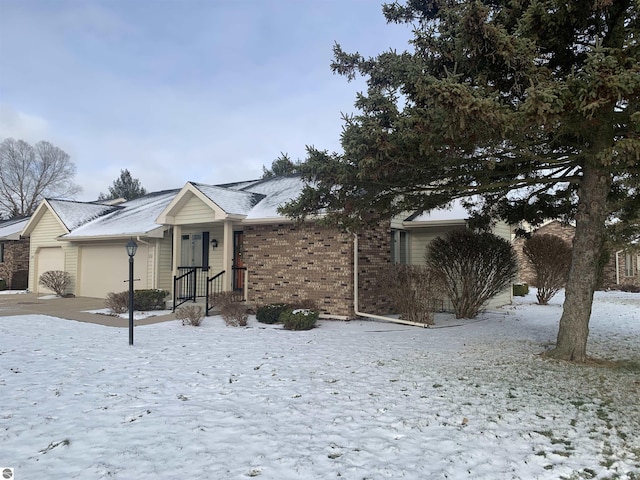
x=132, y=246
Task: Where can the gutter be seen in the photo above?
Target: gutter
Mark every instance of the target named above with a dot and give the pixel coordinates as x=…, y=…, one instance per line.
x=355, y=294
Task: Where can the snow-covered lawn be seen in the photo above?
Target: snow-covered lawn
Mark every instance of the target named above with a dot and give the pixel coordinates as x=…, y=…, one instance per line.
x=350, y=400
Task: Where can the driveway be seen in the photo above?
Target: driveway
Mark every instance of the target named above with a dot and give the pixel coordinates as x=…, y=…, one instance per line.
x=73, y=308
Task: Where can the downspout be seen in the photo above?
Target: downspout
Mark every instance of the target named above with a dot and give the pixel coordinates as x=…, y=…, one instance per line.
x=355, y=294
x=155, y=258
x=618, y=267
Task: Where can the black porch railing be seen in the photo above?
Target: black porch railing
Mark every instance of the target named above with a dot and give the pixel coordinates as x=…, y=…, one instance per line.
x=189, y=284
x=215, y=285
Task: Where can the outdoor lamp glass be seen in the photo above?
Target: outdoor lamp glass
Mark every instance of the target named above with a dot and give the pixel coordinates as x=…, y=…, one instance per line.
x=132, y=246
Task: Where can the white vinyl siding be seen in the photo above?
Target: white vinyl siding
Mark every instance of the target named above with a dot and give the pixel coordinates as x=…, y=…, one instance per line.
x=421, y=238
x=164, y=259
x=194, y=211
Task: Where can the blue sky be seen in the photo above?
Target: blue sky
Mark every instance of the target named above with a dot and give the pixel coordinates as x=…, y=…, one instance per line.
x=207, y=91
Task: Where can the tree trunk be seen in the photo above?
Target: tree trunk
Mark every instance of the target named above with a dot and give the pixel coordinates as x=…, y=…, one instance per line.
x=583, y=276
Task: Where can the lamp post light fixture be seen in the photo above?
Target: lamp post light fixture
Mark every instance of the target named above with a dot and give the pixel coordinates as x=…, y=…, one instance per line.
x=132, y=246
x=214, y=243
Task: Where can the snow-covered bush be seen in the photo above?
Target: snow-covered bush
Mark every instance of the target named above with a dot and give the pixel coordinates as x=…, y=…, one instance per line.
x=550, y=257
x=190, y=315
x=299, y=319
x=473, y=267
x=56, y=280
x=415, y=291
x=270, y=313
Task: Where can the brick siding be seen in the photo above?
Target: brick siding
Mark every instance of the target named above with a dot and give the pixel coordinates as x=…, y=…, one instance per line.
x=289, y=263
x=565, y=232
x=15, y=267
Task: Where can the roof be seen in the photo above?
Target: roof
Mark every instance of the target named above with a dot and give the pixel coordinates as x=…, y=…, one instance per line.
x=232, y=201
x=134, y=217
x=276, y=191
x=73, y=214
x=454, y=212
x=12, y=228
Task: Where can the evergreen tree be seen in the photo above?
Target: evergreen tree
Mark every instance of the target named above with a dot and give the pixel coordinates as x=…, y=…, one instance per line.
x=124, y=187
x=526, y=108
x=280, y=166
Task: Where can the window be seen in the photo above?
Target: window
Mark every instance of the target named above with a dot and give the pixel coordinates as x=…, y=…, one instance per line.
x=1, y=252
x=399, y=247
x=628, y=265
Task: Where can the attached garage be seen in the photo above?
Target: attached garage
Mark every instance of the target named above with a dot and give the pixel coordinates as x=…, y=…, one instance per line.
x=48, y=258
x=105, y=268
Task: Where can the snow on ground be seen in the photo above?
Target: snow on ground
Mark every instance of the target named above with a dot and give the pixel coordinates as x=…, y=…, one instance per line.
x=350, y=400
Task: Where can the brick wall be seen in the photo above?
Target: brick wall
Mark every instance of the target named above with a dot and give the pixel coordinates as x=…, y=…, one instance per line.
x=374, y=255
x=565, y=232
x=288, y=262
x=15, y=268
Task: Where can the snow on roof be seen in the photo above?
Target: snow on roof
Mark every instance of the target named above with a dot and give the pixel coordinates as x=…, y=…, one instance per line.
x=12, y=228
x=277, y=191
x=454, y=211
x=73, y=214
x=134, y=217
x=230, y=200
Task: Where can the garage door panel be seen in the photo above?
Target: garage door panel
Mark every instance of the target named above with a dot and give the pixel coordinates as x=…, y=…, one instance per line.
x=50, y=258
x=105, y=269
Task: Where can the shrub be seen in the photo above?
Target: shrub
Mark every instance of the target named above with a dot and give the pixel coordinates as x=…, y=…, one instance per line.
x=117, y=302
x=550, y=257
x=473, y=268
x=520, y=289
x=271, y=313
x=628, y=287
x=149, y=299
x=143, y=300
x=190, y=315
x=56, y=280
x=232, y=309
x=415, y=292
x=299, y=319
x=3, y=284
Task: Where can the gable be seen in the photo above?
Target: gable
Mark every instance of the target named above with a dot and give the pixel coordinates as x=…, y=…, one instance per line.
x=194, y=210
x=43, y=210
x=47, y=229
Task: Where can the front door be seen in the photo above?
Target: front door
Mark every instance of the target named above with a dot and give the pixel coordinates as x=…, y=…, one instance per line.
x=238, y=263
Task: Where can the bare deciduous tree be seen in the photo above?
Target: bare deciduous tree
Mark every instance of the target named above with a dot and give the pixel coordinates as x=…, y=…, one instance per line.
x=31, y=173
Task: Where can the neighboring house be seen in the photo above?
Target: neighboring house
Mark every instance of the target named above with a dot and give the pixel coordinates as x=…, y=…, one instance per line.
x=621, y=269
x=232, y=232
x=14, y=254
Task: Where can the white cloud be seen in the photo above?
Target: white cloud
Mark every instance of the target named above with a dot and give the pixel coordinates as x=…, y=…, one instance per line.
x=22, y=126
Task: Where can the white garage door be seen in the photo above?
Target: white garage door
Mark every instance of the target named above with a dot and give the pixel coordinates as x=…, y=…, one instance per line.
x=105, y=269
x=50, y=258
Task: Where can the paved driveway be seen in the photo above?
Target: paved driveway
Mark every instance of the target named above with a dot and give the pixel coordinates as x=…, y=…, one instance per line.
x=74, y=308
